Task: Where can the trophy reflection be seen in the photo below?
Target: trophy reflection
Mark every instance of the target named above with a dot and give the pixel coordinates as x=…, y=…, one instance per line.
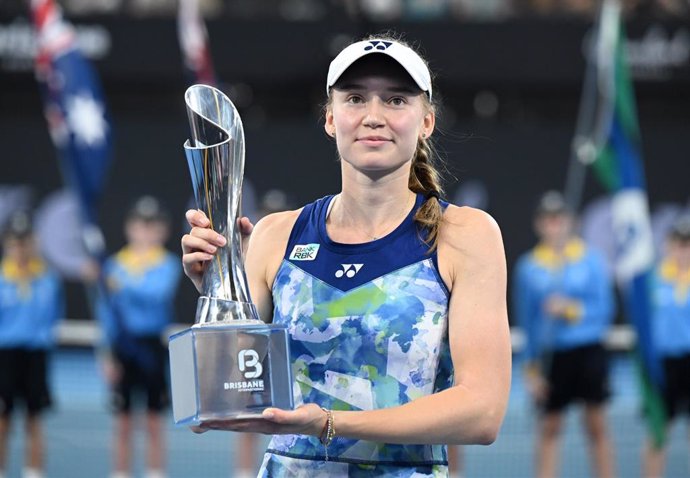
x=229, y=364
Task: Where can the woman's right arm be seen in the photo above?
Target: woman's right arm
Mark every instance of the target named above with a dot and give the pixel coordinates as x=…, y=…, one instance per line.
x=265, y=250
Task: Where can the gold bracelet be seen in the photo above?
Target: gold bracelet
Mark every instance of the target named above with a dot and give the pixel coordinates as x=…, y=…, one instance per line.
x=328, y=432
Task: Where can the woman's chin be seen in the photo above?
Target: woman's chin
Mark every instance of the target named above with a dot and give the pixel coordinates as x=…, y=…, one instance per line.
x=378, y=166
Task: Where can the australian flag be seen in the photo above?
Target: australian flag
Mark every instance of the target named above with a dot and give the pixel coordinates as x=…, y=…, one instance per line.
x=80, y=128
x=74, y=107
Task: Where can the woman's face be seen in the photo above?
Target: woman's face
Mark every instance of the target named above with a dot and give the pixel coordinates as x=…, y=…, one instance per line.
x=377, y=115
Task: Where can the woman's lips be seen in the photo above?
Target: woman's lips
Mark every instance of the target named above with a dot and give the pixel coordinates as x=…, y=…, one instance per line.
x=373, y=140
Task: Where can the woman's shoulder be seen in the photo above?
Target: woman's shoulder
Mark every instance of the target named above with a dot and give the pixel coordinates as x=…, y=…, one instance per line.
x=469, y=242
x=464, y=227
x=470, y=248
x=279, y=219
x=282, y=223
x=275, y=227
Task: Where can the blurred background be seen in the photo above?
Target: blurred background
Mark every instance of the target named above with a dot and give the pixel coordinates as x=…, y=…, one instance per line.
x=509, y=74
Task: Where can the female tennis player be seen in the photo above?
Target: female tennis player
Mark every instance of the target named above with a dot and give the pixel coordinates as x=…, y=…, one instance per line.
x=397, y=316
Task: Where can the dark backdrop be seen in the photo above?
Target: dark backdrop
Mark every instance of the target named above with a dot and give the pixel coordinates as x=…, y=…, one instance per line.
x=275, y=73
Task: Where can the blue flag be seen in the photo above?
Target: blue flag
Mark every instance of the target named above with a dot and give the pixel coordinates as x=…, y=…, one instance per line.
x=74, y=107
x=80, y=128
x=609, y=139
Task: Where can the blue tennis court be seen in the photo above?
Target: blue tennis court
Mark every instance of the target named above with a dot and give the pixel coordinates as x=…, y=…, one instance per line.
x=78, y=433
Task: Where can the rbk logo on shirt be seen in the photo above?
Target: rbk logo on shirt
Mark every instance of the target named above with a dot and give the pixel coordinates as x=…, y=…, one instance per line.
x=304, y=252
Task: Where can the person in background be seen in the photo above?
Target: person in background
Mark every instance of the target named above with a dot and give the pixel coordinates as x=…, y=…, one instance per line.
x=141, y=279
x=31, y=303
x=671, y=332
x=564, y=303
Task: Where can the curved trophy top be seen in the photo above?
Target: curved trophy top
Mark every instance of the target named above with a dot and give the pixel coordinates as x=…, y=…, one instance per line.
x=213, y=118
x=215, y=156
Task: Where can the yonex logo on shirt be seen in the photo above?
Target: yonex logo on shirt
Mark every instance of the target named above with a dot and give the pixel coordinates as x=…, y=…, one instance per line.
x=304, y=252
x=348, y=270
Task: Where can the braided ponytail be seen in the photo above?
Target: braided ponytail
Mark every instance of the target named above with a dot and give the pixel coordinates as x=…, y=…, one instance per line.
x=425, y=179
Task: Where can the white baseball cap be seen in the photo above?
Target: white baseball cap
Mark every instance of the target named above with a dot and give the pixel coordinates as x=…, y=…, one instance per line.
x=405, y=56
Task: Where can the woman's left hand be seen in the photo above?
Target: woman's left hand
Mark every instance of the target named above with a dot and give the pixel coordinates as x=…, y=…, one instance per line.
x=308, y=419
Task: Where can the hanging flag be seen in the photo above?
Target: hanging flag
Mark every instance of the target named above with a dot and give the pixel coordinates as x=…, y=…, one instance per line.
x=608, y=138
x=81, y=130
x=74, y=107
x=193, y=39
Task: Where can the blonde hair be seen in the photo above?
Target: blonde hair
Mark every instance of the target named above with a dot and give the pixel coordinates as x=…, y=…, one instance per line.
x=425, y=179
x=424, y=176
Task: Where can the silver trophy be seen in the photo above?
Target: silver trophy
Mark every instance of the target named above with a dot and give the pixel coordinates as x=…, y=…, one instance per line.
x=229, y=364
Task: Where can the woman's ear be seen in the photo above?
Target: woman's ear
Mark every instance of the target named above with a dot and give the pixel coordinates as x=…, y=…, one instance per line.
x=329, y=125
x=428, y=124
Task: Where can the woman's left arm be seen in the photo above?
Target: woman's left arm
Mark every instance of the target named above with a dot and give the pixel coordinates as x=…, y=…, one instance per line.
x=473, y=264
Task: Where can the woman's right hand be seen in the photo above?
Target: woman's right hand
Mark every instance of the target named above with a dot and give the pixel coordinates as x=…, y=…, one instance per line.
x=199, y=246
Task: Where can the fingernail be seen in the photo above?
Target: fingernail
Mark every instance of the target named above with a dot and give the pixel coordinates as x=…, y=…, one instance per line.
x=221, y=239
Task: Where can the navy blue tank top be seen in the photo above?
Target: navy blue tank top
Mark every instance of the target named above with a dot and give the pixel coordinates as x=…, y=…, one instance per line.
x=368, y=330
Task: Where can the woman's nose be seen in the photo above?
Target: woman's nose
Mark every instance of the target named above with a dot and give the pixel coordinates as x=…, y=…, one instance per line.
x=374, y=116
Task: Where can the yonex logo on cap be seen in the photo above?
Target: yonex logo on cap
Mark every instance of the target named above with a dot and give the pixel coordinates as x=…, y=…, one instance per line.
x=378, y=44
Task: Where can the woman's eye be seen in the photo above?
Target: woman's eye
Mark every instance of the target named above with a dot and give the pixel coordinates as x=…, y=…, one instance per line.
x=397, y=101
x=355, y=99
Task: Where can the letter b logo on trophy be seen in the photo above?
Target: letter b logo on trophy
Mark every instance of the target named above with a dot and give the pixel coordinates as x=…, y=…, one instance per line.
x=246, y=364
x=229, y=364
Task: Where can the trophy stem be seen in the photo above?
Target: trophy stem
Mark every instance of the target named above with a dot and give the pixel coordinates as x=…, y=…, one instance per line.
x=215, y=311
x=209, y=213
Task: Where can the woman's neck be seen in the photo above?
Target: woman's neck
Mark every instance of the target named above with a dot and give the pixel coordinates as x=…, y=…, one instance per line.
x=368, y=209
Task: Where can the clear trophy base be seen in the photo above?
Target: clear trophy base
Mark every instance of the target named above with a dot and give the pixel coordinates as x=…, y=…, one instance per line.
x=228, y=369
